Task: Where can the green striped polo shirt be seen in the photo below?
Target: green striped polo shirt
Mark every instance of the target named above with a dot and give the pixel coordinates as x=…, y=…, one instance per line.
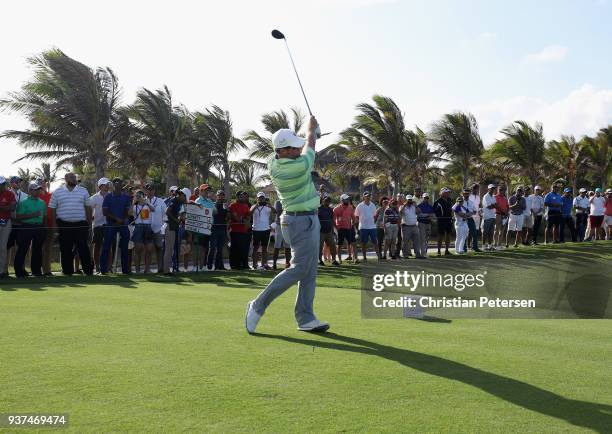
x=293, y=181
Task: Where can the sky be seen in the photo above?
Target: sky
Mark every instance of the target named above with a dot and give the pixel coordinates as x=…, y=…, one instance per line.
x=546, y=61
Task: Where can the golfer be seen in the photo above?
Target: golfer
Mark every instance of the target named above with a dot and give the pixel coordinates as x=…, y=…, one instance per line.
x=290, y=171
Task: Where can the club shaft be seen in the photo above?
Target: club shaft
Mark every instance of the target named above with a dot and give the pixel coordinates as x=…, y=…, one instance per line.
x=298, y=77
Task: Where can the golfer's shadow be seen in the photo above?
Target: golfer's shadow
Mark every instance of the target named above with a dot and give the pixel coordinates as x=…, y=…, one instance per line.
x=597, y=417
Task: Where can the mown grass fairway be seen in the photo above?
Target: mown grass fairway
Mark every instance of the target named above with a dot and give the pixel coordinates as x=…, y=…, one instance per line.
x=158, y=354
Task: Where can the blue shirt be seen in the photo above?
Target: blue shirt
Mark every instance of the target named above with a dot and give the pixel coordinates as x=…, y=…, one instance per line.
x=568, y=202
x=118, y=205
x=425, y=208
x=553, y=198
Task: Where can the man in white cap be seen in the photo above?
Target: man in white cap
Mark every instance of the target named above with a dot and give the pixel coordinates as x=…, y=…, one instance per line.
x=488, y=217
x=290, y=170
x=261, y=213
x=581, y=207
x=537, y=210
x=410, y=231
x=365, y=212
x=344, y=220
x=99, y=220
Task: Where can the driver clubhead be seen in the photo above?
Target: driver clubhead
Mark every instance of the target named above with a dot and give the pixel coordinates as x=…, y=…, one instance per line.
x=277, y=34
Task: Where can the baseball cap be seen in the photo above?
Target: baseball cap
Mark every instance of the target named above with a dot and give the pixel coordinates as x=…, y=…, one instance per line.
x=15, y=179
x=34, y=185
x=598, y=190
x=2, y=180
x=425, y=195
x=173, y=188
x=186, y=192
x=344, y=196
x=445, y=190
x=567, y=190
x=491, y=186
x=261, y=194
x=609, y=190
x=537, y=187
x=366, y=193
x=149, y=186
x=220, y=192
x=466, y=190
x=286, y=138
x=103, y=181
x=325, y=196
x=582, y=190
x=117, y=179
x=205, y=187
x=409, y=197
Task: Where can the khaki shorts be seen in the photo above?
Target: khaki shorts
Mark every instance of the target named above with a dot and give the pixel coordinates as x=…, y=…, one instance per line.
x=391, y=232
x=527, y=221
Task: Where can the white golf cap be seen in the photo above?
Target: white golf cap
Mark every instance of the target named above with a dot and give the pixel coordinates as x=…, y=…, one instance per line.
x=537, y=187
x=445, y=190
x=2, y=180
x=103, y=181
x=34, y=185
x=261, y=194
x=344, y=196
x=409, y=197
x=425, y=194
x=491, y=186
x=187, y=192
x=286, y=138
x=173, y=188
x=609, y=190
x=582, y=190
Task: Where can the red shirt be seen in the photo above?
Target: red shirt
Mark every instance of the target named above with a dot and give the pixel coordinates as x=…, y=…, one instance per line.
x=47, y=197
x=609, y=206
x=343, y=216
x=243, y=211
x=6, y=198
x=502, y=204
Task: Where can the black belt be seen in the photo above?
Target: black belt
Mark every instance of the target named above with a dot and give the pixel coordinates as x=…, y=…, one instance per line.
x=299, y=213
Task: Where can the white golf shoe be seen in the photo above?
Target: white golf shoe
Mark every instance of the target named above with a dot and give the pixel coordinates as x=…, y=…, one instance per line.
x=251, y=318
x=314, y=326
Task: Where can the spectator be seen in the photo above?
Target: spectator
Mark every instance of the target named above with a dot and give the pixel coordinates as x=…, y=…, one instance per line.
x=379, y=218
x=489, y=205
x=566, y=216
x=517, y=207
x=554, y=203
x=174, y=211
x=501, y=215
x=527, y=218
x=7, y=206
x=401, y=200
x=261, y=213
x=202, y=241
x=326, y=219
x=219, y=235
x=279, y=241
x=537, y=209
x=424, y=222
x=597, y=213
x=608, y=214
x=475, y=200
x=72, y=213
x=116, y=208
x=49, y=229
x=461, y=227
x=157, y=223
x=142, y=236
x=99, y=220
x=392, y=223
x=365, y=212
x=581, y=207
x=32, y=213
x=472, y=228
x=20, y=196
x=443, y=207
x=344, y=219
x=410, y=231
x=239, y=232
x=417, y=196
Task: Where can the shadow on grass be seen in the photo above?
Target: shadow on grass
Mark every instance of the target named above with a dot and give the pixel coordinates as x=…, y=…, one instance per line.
x=591, y=415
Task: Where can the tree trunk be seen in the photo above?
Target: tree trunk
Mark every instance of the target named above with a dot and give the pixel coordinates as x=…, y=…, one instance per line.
x=465, y=176
x=100, y=165
x=171, y=172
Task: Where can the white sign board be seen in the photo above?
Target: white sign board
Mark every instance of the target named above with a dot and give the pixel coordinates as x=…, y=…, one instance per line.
x=198, y=219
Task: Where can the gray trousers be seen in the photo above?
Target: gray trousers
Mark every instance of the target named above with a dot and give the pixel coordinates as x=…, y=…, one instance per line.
x=5, y=231
x=424, y=231
x=411, y=233
x=301, y=233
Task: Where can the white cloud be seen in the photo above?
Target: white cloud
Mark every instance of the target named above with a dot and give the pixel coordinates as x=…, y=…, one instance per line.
x=551, y=53
x=583, y=111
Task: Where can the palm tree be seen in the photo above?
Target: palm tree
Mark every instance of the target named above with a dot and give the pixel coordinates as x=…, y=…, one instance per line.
x=456, y=136
x=72, y=110
x=45, y=172
x=261, y=146
x=421, y=158
x=378, y=141
x=523, y=148
x=599, y=152
x=247, y=174
x=217, y=130
x=567, y=158
x=161, y=129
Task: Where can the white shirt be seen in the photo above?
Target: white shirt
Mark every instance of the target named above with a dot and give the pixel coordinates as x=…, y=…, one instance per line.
x=20, y=196
x=142, y=214
x=70, y=205
x=598, y=205
x=582, y=202
x=96, y=205
x=488, y=200
x=157, y=217
x=471, y=206
x=537, y=204
x=261, y=218
x=409, y=215
x=366, y=215
x=528, y=204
